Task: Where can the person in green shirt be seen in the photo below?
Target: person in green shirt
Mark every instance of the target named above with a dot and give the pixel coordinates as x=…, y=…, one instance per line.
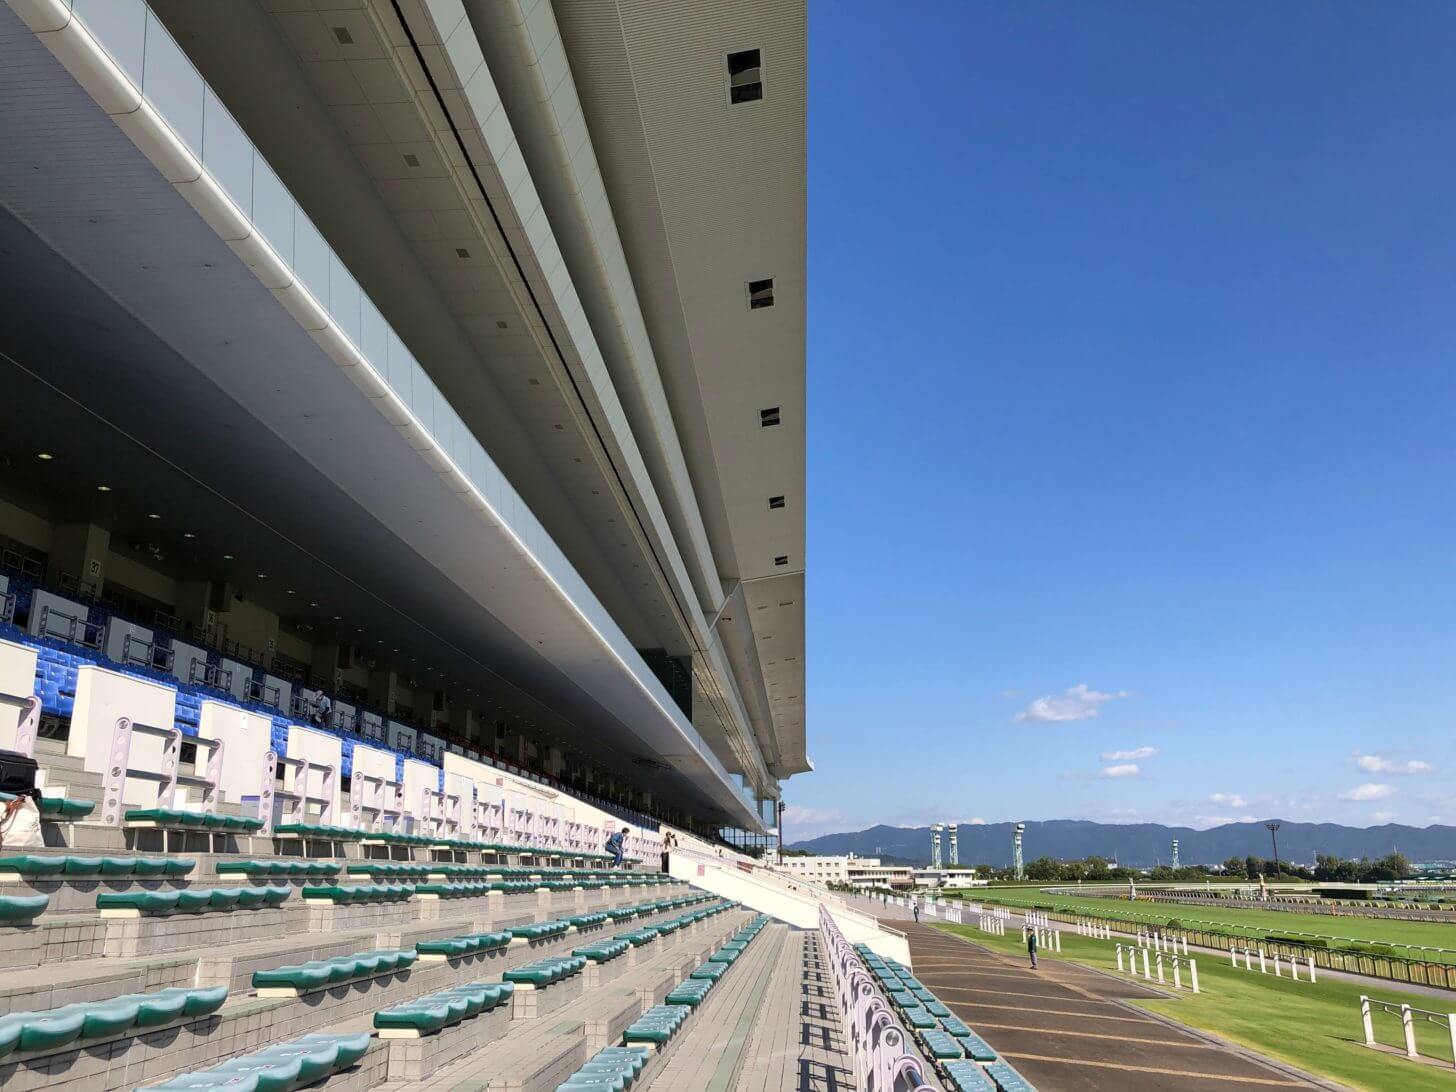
x=1031, y=945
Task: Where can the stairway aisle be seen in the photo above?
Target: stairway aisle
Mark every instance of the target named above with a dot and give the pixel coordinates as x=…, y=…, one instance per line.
x=798, y=1042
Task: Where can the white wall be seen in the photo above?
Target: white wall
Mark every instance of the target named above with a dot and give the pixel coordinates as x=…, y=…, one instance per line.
x=102, y=697
x=321, y=747
x=246, y=738
x=17, y=678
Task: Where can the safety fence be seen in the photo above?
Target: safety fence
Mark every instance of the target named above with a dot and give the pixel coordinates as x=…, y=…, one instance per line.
x=1408, y=1016
x=879, y=1045
x=1417, y=972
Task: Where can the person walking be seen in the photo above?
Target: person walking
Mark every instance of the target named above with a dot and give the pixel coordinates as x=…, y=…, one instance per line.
x=614, y=846
x=915, y=909
x=669, y=843
x=1031, y=945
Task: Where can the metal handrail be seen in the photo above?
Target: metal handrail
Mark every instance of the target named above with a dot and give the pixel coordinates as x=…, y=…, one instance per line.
x=88, y=629
x=258, y=691
x=150, y=658
x=220, y=678
x=119, y=770
x=359, y=783
x=299, y=796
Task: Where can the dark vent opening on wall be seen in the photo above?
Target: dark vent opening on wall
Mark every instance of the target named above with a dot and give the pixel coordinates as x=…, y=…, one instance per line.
x=745, y=76
x=411, y=160
x=768, y=417
x=343, y=35
x=782, y=559
x=760, y=294
x=776, y=502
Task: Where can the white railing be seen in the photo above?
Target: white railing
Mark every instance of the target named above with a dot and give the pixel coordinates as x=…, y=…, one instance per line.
x=877, y=1041
x=1408, y=1017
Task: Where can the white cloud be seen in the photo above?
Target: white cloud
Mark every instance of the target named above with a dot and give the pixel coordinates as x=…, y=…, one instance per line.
x=1129, y=769
x=977, y=822
x=1130, y=755
x=1382, y=816
x=1078, y=703
x=1227, y=799
x=1380, y=764
x=1368, y=791
x=1009, y=694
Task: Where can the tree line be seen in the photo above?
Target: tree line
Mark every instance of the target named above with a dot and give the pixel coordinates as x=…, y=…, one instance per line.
x=1328, y=868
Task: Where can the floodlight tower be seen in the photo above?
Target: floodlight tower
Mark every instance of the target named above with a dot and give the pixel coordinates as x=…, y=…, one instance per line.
x=935, y=829
x=955, y=853
x=1175, y=852
x=1017, y=832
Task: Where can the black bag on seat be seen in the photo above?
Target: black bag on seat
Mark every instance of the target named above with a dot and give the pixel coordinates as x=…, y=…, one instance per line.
x=17, y=772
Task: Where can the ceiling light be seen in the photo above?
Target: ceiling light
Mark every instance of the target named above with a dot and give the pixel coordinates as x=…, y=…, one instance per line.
x=313, y=604
x=153, y=515
x=45, y=455
x=188, y=534
x=338, y=618
x=227, y=557
x=290, y=591
x=262, y=576
x=103, y=489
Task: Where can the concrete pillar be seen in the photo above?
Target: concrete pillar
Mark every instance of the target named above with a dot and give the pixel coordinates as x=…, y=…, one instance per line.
x=384, y=690
x=194, y=603
x=79, y=550
x=325, y=666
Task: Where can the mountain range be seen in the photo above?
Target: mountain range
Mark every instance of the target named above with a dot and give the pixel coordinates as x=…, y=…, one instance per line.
x=1144, y=844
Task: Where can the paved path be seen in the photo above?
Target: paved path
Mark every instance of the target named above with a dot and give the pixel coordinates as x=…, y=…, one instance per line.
x=1063, y=1028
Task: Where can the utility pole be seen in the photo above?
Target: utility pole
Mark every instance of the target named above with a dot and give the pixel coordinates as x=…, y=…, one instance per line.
x=1273, y=829
x=780, y=810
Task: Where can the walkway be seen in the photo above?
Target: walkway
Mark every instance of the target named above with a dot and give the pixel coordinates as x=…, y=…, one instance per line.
x=1063, y=1028
x=769, y=1026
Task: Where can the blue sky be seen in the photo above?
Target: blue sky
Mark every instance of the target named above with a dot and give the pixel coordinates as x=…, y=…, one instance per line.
x=1132, y=368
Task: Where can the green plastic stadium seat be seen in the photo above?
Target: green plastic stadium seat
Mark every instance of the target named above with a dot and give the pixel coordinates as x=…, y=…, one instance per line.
x=58, y=1028
x=940, y=1046
x=278, y=1068
x=976, y=1048
x=657, y=1025
x=431, y=1013
x=1007, y=1079
x=968, y=1077
x=22, y=907
x=320, y=973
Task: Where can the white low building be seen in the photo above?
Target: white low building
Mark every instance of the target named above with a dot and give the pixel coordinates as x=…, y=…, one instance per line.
x=848, y=870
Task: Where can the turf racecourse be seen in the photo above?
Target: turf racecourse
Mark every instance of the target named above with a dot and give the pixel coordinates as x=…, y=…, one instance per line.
x=1236, y=920
x=1314, y=1027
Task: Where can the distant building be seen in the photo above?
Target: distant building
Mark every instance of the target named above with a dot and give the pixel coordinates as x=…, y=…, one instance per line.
x=848, y=870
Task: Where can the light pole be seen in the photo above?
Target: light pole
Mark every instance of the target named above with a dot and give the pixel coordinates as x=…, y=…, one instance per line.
x=1273, y=829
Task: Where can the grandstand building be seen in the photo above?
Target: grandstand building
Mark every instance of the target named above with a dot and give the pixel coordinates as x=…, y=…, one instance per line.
x=402, y=551
x=412, y=379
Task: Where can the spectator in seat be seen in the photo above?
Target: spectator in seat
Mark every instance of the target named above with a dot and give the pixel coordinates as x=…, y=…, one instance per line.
x=614, y=846
x=322, y=706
